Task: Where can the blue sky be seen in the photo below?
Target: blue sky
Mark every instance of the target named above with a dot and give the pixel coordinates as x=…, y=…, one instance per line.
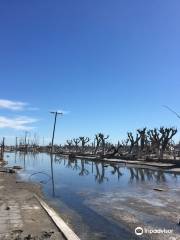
x=110, y=64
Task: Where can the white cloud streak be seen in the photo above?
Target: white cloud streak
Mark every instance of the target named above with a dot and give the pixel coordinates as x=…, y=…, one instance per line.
x=12, y=105
x=16, y=105
x=18, y=123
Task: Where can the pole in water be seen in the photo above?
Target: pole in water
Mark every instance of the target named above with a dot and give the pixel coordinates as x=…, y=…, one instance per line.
x=25, y=141
x=52, y=145
x=2, y=149
x=16, y=144
x=54, y=128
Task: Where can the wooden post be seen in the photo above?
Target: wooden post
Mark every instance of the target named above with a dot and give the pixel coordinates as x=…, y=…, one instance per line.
x=2, y=149
x=25, y=141
x=52, y=145
x=54, y=128
x=16, y=143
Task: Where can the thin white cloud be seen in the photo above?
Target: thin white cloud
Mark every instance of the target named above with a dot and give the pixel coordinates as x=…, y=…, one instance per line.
x=16, y=105
x=12, y=105
x=18, y=123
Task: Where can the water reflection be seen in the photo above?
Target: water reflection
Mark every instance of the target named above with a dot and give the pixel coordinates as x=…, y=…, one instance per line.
x=24, y=158
x=137, y=174
x=98, y=169
x=101, y=172
x=116, y=170
x=52, y=175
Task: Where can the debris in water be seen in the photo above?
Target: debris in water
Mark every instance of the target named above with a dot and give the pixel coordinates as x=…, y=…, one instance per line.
x=17, y=167
x=11, y=170
x=158, y=189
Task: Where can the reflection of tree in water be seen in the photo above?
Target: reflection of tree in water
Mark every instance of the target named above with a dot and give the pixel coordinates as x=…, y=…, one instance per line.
x=69, y=164
x=83, y=171
x=160, y=176
x=116, y=169
x=175, y=175
x=100, y=172
x=140, y=174
x=136, y=175
x=76, y=166
x=58, y=159
x=22, y=158
x=97, y=168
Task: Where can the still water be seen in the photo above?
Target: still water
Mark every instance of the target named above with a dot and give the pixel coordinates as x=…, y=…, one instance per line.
x=84, y=191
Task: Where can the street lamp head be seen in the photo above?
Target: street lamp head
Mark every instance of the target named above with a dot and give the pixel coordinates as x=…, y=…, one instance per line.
x=56, y=112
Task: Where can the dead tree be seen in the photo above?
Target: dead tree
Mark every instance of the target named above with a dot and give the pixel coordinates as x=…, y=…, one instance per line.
x=143, y=141
x=35, y=141
x=83, y=141
x=133, y=142
x=166, y=136
x=143, y=138
x=114, y=150
x=97, y=142
x=100, y=141
x=25, y=142
x=76, y=141
x=69, y=143
x=103, y=141
x=155, y=140
x=160, y=139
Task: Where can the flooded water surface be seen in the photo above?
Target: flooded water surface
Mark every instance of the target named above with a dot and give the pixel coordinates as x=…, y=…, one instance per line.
x=100, y=200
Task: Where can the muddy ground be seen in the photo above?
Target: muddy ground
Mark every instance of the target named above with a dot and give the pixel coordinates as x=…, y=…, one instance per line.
x=21, y=215
x=146, y=208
